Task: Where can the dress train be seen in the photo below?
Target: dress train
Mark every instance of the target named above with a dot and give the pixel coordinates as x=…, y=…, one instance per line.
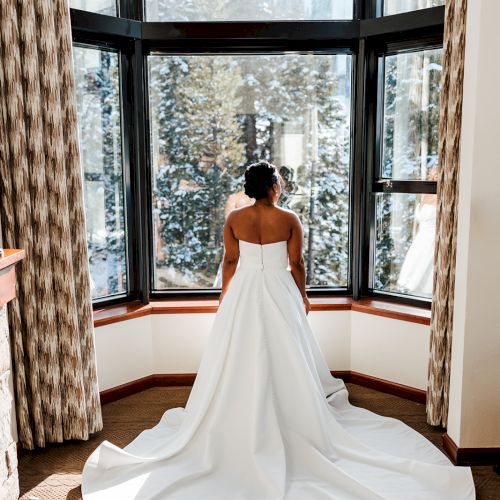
x=265, y=420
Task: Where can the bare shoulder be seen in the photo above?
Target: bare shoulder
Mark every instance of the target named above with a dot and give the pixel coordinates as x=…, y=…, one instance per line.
x=238, y=212
x=235, y=215
x=290, y=215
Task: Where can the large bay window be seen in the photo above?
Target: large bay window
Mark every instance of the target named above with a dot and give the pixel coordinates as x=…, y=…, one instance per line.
x=175, y=100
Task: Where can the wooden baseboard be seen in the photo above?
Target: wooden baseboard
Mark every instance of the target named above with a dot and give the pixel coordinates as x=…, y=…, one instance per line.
x=180, y=379
x=470, y=456
x=141, y=384
x=382, y=385
x=345, y=375
x=174, y=379
x=124, y=390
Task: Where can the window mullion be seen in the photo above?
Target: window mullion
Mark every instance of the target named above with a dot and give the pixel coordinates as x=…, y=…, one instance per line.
x=371, y=119
x=358, y=164
x=141, y=173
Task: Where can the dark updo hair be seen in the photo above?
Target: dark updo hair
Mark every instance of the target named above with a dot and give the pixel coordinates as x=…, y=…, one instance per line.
x=259, y=177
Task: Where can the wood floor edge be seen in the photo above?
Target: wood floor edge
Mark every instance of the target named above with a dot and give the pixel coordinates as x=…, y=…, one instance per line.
x=470, y=456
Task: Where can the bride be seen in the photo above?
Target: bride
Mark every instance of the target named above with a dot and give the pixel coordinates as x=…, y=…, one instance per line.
x=265, y=420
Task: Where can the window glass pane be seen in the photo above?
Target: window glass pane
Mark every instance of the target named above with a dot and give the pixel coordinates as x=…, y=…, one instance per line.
x=404, y=248
x=107, y=7
x=243, y=10
x=400, y=6
x=412, y=86
x=210, y=117
x=98, y=107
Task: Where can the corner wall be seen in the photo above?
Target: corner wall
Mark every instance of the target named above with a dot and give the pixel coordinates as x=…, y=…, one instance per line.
x=474, y=412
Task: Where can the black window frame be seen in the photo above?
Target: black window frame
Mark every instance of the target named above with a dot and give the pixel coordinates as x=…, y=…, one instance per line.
x=366, y=37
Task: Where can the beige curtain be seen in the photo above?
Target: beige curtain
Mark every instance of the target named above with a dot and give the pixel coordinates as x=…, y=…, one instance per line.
x=42, y=211
x=446, y=216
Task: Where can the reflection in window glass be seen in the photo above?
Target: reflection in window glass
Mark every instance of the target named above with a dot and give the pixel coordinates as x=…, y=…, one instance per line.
x=98, y=107
x=107, y=7
x=399, y=6
x=243, y=10
x=404, y=250
x=412, y=86
x=211, y=116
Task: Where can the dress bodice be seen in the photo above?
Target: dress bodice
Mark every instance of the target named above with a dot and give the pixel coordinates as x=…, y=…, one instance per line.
x=266, y=257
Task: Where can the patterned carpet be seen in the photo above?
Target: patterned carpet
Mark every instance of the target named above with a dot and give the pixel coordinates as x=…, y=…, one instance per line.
x=55, y=472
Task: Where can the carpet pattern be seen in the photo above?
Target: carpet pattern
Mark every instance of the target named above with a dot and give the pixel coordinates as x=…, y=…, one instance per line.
x=55, y=472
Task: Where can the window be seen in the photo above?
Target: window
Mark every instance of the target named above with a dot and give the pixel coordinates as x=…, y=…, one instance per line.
x=107, y=7
x=176, y=99
x=211, y=116
x=241, y=10
x=405, y=212
x=399, y=6
x=99, y=122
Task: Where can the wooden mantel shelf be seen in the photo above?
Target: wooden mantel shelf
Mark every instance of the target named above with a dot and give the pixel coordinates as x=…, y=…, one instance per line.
x=8, y=274
x=11, y=256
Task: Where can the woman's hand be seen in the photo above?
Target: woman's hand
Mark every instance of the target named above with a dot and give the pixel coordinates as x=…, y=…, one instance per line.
x=221, y=296
x=307, y=304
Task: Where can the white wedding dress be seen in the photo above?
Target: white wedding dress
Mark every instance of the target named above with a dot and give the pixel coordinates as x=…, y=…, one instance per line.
x=265, y=420
x=416, y=272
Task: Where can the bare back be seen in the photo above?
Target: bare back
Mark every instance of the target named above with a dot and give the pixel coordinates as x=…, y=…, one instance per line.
x=262, y=224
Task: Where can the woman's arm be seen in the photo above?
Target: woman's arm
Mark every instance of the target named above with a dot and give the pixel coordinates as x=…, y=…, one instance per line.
x=231, y=256
x=295, y=244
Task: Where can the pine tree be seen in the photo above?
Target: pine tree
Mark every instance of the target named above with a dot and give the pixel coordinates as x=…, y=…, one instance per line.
x=201, y=139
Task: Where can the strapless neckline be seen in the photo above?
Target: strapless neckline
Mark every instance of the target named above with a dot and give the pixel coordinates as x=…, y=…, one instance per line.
x=263, y=244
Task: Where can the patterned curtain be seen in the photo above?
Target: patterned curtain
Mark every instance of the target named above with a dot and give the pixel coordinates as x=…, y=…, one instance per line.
x=446, y=216
x=42, y=211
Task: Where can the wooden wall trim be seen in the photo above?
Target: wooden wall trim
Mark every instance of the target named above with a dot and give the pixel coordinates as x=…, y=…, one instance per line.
x=141, y=384
x=114, y=314
x=127, y=389
x=393, y=310
x=470, y=456
x=382, y=385
x=184, y=306
x=187, y=379
x=450, y=448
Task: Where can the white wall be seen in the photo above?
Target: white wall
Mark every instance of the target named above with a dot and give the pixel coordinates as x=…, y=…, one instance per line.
x=390, y=349
x=474, y=413
x=174, y=343
x=124, y=352
x=179, y=341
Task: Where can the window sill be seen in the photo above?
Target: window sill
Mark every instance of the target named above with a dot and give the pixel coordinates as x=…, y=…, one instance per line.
x=114, y=314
